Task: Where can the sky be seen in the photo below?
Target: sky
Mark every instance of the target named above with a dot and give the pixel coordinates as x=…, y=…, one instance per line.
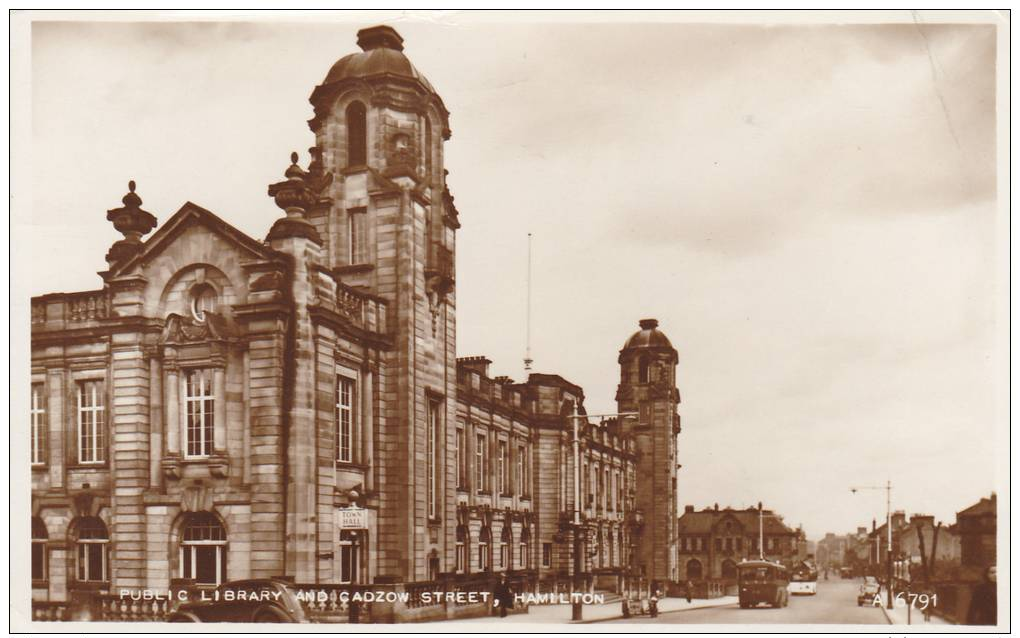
x=810, y=211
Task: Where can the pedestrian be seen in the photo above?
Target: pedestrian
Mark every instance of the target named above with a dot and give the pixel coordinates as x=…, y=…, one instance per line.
x=689, y=590
x=983, y=608
x=503, y=596
x=653, y=604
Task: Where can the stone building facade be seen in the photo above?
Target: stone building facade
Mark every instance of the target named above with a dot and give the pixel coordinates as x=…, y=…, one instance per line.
x=713, y=541
x=225, y=407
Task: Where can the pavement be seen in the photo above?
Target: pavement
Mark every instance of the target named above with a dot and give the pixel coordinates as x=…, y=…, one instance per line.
x=898, y=616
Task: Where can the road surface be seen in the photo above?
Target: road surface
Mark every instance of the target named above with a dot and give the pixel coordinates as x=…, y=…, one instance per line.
x=835, y=603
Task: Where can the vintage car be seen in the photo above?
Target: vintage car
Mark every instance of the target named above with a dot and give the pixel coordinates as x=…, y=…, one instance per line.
x=869, y=589
x=258, y=600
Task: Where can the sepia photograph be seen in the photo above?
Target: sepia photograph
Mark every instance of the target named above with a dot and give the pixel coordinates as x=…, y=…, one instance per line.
x=507, y=321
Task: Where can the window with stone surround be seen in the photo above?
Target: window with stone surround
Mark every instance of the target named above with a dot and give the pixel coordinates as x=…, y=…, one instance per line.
x=503, y=467
x=484, y=542
x=481, y=462
x=38, y=424
x=357, y=231
x=91, y=422
x=39, y=539
x=461, y=552
x=199, y=403
x=522, y=469
x=506, y=540
x=462, y=456
x=91, y=543
x=357, y=138
x=432, y=465
x=203, y=551
x=346, y=415
x=547, y=554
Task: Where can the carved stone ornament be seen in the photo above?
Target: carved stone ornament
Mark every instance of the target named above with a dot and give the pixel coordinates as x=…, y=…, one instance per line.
x=179, y=329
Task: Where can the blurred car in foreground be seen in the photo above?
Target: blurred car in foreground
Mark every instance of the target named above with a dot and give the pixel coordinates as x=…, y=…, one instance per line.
x=869, y=589
x=259, y=600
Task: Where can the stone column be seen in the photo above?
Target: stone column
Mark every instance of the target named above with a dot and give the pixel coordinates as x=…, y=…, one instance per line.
x=155, y=421
x=173, y=406
x=220, y=410
x=55, y=421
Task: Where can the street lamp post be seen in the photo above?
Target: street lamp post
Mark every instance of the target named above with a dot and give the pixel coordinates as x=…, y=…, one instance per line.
x=888, y=531
x=575, y=605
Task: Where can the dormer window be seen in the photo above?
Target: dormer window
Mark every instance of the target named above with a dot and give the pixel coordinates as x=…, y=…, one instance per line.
x=203, y=299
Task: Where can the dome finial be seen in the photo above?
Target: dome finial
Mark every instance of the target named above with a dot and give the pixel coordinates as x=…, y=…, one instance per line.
x=293, y=157
x=380, y=37
x=649, y=324
x=131, y=186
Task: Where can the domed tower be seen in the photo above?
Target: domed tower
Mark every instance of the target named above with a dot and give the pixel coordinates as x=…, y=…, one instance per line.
x=388, y=226
x=648, y=386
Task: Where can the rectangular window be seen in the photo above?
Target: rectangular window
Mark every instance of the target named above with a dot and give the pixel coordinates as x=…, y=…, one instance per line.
x=38, y=415
x=481, y=463
x=522, y=463
x=483, y=555
x=546, y=554
x=432, y=457
x=92, y=561
x=718, y=544
x=462, y=457
x=346, y=395
x=740, y=544
x=503, y=468
x=38, y=559
x=358, y=229
x=91, y=422
x=198, y=401
x=619, y=491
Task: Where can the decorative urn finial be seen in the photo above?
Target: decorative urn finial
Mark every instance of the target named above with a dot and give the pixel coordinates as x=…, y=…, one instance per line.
x=132, y=222
x=294, y=196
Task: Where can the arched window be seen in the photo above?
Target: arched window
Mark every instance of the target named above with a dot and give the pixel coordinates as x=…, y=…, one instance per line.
x=428, y=143
x=203, y=553
x=729, y=569
x=91, y=542
x=524, y=558
x=484, y=540
x=39, y=538
x=203, y=299
x=357, y=137
x=694, y=569
x=506, y=539
x=643, y=369
x=462, y=554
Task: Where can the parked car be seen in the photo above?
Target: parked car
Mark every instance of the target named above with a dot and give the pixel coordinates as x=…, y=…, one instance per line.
x=258, y=600
x=869, y=589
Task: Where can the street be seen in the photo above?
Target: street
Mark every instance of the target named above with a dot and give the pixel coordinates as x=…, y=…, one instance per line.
x=835, y=603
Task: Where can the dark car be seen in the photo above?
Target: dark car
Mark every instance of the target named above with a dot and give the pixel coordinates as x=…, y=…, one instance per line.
x=259, y=600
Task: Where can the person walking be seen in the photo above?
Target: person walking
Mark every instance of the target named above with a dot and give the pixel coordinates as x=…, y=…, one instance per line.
x=504, y=596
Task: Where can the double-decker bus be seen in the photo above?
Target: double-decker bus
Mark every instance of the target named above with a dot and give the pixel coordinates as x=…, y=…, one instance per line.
x=804, y=579
x=762, y=581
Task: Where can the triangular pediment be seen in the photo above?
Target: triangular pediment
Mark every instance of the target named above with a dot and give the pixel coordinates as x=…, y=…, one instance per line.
x=189, y=216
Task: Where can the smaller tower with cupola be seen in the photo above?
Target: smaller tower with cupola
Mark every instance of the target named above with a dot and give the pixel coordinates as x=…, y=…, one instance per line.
x=648, y=387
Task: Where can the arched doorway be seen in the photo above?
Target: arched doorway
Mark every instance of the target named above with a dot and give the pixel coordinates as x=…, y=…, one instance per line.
x=694, y=569
x=729, y=569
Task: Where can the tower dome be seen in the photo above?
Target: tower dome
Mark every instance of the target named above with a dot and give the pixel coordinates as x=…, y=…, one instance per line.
x=649, y=336
x=381, y=58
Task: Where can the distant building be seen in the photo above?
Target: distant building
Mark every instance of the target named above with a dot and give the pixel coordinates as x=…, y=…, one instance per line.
x=713, y=541
x=976, y=528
